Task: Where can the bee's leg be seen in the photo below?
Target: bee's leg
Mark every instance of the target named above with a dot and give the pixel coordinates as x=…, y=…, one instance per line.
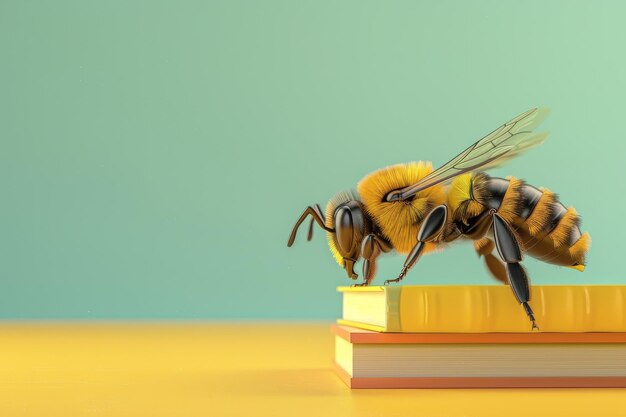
x=370, y=250
x=484, y=247
x=431, y=226
x=509, y=251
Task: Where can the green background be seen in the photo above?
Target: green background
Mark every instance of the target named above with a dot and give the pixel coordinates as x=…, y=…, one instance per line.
x=155, y=154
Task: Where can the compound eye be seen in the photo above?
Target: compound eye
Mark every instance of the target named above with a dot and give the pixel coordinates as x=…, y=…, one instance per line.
x=344, y=230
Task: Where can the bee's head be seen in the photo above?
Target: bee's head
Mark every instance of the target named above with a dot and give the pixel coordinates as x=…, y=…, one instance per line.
x=346, y=224
x=346, y=215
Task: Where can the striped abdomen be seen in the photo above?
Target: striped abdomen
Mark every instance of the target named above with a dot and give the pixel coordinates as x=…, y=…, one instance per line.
x=545, y=228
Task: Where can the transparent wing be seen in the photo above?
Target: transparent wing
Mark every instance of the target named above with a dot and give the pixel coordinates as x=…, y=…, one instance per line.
x=507, y=142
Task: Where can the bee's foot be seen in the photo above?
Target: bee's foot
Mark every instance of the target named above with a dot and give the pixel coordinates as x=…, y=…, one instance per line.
x=389, y=281
x=531, y=316
x=362, y=284
x=534, y=325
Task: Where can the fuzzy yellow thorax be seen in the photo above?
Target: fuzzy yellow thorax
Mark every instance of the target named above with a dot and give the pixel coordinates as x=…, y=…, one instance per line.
x=400, y=220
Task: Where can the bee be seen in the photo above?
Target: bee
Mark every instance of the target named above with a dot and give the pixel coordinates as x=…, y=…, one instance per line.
x=412, y=209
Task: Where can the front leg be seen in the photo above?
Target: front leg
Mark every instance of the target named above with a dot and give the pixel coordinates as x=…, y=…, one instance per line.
x=432, y=225
x=371, y=248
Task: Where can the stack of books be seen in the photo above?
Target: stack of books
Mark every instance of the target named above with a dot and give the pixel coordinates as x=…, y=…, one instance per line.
x=480, y=337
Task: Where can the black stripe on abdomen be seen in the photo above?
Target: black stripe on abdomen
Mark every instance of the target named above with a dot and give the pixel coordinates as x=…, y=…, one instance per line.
x=495, y=190
x=529, y=197
x=558, y=211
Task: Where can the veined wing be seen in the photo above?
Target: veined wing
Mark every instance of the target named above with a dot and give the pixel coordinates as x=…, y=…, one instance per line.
x=506, y=142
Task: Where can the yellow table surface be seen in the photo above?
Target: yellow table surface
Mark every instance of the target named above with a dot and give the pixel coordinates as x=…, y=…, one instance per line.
x=229, y=369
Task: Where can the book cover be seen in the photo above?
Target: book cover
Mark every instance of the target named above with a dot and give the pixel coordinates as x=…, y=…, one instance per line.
x=484, y=308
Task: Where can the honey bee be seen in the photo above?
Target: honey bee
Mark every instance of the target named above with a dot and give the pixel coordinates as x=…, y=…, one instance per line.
x=412, y=209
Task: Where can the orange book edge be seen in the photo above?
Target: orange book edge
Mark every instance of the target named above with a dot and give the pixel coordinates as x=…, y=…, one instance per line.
x=354, y=335
x=481, y=382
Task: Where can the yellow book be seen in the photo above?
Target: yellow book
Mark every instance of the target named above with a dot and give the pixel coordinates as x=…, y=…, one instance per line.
x=484, y=308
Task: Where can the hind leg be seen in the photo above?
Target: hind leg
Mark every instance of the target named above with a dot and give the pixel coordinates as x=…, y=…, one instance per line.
x=484, y=247
x=510, y=252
